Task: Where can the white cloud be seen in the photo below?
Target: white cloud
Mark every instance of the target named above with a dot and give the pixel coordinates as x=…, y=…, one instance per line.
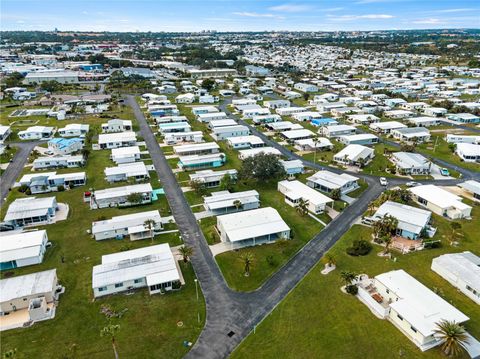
x=431, y=21
x=359, y=17
x=448, y=11
x=290, y=8
x=255, y=14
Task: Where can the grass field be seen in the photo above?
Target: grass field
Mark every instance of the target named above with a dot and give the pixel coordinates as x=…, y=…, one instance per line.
x=316, y=320
x=153, y=326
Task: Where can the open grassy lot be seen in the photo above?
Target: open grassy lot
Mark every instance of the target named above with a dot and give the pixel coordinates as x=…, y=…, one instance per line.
x=316, y=320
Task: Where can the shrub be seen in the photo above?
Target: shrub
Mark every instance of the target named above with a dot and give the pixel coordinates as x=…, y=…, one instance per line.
x=28, y=191
x=60, y=188
x=271, y=260
x=351, y=289
x=359, y=248
x=23, y=188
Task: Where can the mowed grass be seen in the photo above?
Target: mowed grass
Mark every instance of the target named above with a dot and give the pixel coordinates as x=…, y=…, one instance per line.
x=152, y=326
x=317, y=320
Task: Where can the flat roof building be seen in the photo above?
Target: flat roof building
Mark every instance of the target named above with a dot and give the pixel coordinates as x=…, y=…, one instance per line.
x=22, y=249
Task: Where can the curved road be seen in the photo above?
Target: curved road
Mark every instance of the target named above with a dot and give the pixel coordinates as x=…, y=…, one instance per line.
x=232, y=315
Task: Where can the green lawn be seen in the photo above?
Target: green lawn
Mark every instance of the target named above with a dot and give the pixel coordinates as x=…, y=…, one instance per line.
x=380, y=162
x=363, y=186
x=316, y=320
x=150, y=326
x=444, y=153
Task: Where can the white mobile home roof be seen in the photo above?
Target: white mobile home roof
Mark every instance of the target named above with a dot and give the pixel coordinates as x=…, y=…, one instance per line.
x=297, y=190
x=224, y=199
x=389, y=125
x=410, y=159
x=134, y=264
x=125, y=151
x=471, y=186
x=465, y=266
x=21, y=245
x=221, y=123
x=130, y=169
x=193, y=159
x=354, y=152
x=117, y=137
x=27, y=285
x=409, y=218
x=123, y=191
x=332, y=180
x=125, y=221
x=294, y=134
x=196, y=147
x=255, y=151
x=439, y=196
x=418, y=305
x=251, y=139
x=210, y=175
x=29, y=207
x=252, y=224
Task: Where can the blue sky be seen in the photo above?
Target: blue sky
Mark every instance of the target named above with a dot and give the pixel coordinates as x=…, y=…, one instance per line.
x=239, y=15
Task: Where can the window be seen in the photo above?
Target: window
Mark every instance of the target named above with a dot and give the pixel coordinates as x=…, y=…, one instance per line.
x=102, y=289
x=413, y=329
x=399, y=317
x=136, y=281
x=118, y=285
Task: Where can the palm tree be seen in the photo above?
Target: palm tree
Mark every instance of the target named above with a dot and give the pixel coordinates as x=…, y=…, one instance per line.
x=150, y=224
x=371, y=207
x=247, y=259
x=330, y=259
x=237, y=203
x=387, y=240
x=302, y=206
x=10, y=354
x=110, y=331
x=453, y=337
x=186, y=252
x=348, y=277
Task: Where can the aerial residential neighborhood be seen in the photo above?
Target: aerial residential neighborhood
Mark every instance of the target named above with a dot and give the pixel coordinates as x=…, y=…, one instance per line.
x=255, y=179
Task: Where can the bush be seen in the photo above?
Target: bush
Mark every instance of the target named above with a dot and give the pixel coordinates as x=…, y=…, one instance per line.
x=351, y=289
x=28, y=191
x=271, y=261
x=359, y=248
x=60, y=188
x=23, y=188
x=432, y=244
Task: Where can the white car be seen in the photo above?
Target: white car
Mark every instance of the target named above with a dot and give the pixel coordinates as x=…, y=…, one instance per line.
x=383, y=181
x=412, y=184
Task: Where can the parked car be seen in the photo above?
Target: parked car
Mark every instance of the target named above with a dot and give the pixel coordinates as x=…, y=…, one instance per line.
x=444, y=172
x=412, y=184
x=383, y=181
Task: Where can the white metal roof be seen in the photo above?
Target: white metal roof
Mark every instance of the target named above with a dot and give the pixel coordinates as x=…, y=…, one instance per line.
x=29, y=207
x=129, y=169
x=410, y=160
x=222, y=199
x=254, y=151
x=418, y=305
x=471, y=186
x=210, y=175
x=195, y=147
x=135, y=264
x=252, y=224
x=297, y=189
x=21, y=245
x=354, y=152
x=469, y=149
x=293, y=134
x=27, y=285
x=439, y=196
x=125, y=151
x=465, y=266
x=193, y=159
x=251, y=139
x=117, y=137
x=409, y=218
x=125, y=221
x=123, y=191
x=332, y=180
x=389, y=125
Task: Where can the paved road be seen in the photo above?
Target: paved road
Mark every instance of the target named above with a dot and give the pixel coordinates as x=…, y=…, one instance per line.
x=15, y=167
x=229, y=311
